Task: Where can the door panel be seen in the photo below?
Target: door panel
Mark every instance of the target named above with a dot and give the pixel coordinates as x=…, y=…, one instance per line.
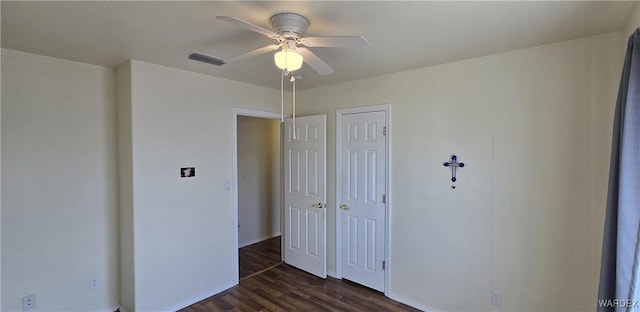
x=312, y=176
x=370, y=244
x=294, y=171
x=352, y=240
x=313, y=218
x=352, y=178
x=362, y=182
x=305, y=175
x=294, y=228
x=370, y=177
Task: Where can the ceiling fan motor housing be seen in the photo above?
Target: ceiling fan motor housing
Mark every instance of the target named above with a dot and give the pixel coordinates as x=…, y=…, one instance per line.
x=289, y=25
x=289, y=30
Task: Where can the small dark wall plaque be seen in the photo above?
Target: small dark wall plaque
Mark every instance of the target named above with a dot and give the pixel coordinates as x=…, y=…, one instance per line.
x=187, y=172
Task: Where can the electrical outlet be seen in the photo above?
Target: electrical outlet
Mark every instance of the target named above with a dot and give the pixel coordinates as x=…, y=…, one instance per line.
x=94, y=283
x=28, y=302
x=496, y=298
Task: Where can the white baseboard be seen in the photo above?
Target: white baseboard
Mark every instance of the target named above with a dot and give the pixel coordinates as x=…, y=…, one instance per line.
x=411, y=303
x=251, y=242
x=184, y=304
x=200, y=297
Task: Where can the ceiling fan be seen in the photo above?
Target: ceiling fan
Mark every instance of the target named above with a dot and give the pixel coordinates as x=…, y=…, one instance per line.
x=289, y=31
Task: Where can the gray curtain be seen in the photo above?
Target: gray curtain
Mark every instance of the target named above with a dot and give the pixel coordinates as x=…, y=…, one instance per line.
x=619, y=280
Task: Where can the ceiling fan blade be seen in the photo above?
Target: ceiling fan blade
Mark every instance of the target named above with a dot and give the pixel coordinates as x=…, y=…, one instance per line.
x=256, y=52
x=206, y=58
x=242, y=23
x=335, y=41
x=315, y=62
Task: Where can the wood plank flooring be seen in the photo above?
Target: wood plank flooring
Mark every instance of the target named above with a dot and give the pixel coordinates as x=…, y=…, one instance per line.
x=285, y=288
x=259, y=256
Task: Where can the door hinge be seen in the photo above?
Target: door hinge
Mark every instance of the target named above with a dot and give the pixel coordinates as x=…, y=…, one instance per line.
x=384, y=198
x=384, y=265
x=384, y=130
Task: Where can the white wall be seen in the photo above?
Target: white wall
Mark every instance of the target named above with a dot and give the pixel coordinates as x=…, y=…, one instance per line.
x=258, y=179
x=59, y=203
x=183, y=228
x=533, y=127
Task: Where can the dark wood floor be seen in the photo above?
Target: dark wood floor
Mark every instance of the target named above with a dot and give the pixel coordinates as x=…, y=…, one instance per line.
x=259, y=256
x=285, y=288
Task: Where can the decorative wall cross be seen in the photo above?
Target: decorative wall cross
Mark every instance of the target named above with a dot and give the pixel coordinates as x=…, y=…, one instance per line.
x=453, y=164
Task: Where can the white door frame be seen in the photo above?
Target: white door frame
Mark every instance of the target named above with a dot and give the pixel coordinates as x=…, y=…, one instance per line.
x=364, y=109
x=234, y=178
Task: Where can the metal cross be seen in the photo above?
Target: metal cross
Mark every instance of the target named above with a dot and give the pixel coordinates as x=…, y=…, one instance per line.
x=453, y=165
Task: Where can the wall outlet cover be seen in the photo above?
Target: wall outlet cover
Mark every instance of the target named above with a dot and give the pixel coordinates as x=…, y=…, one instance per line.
x=94, y=283
x=496, y=298
x=28, y=302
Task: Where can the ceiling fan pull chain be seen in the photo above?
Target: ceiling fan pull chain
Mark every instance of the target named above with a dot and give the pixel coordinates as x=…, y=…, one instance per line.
x=293, y=80
x=282, y=97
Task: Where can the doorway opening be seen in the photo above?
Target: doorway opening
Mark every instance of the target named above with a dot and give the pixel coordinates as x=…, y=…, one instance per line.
x=303, y=170
x=257, y=192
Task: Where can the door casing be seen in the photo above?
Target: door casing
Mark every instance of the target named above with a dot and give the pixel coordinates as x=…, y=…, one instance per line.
x=234, y=178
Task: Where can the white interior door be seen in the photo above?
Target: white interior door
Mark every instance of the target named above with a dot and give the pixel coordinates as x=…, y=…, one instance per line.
x=304, y=199
x=362, y=191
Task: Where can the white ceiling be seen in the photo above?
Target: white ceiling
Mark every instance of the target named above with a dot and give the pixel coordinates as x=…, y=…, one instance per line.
x=402, y=35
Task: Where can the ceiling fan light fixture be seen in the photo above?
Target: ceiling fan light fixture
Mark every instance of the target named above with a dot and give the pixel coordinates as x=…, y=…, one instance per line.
x=288, y=59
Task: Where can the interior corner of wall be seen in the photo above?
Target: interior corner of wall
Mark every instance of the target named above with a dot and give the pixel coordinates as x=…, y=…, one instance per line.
x=410, y=302
x=633, y=22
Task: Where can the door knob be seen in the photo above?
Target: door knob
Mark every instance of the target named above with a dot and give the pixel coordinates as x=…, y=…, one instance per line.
x=319, y=205
x=344, y=207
